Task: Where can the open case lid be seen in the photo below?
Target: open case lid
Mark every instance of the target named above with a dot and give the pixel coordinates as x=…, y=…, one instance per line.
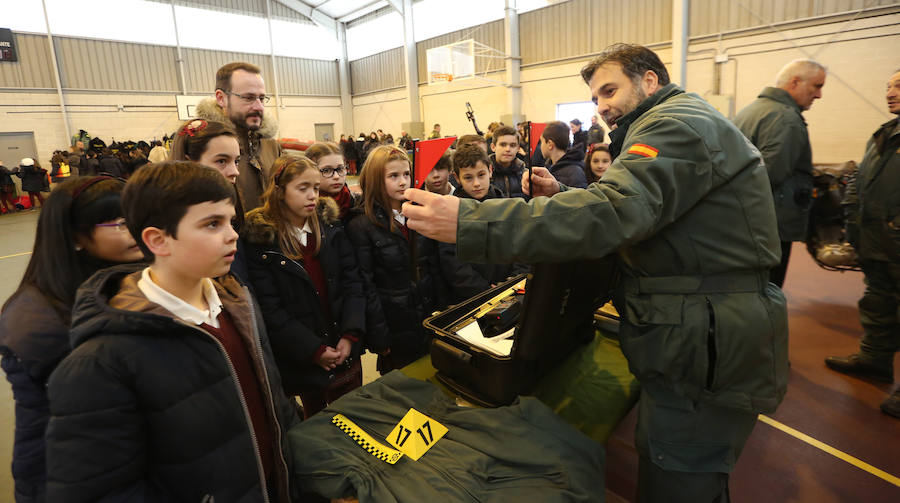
x=560, y=301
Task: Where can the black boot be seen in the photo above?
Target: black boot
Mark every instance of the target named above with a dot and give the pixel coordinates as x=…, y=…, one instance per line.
x=854, y=365
x=891, y=406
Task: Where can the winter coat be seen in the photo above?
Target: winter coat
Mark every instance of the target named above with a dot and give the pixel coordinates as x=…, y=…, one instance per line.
x=773, y=122
x=509, y=179
x=259, y=149
x=686, y=206
x=34, y=338
x=290, y=303
x=148, y=407
x=90, y=166
x=569, y=169
x=595, y=135
x=580, y=142
x=6, y=181
x=158, y=154
x=872, y=203
x=399, y=277
x=111, y=165
x=34, y=178
x=467, y=279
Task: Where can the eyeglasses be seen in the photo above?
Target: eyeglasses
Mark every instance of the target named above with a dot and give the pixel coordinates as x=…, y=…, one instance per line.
x=251, y=98
x=119, y=224
x=329, y=172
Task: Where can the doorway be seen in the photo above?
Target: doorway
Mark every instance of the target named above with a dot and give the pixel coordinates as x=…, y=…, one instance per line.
x=13, y=148
x=325, y=132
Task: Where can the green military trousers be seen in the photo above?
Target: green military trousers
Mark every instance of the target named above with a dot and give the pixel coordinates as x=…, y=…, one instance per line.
x=879, y=312
x=687, y=449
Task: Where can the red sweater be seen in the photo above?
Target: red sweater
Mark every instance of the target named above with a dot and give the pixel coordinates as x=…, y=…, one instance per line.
x=251, y=389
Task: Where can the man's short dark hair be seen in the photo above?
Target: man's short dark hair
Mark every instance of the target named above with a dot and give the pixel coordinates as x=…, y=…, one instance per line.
x=159, y=195
x=470, y=139
x=506, y=131
x=558, y=133
x=467, y=156
x=635, y=61
x=223, y=75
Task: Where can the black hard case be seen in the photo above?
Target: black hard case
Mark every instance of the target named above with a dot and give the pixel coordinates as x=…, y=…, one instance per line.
x=557, y=317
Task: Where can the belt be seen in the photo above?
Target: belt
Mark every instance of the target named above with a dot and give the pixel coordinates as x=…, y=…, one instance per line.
x=719, y=283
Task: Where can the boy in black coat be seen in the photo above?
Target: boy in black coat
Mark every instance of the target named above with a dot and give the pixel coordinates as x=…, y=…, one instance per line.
x=171, y=392
x=472, y=169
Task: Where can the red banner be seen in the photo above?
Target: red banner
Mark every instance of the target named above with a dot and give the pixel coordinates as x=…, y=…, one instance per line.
x=537, y=129
x=427, y=154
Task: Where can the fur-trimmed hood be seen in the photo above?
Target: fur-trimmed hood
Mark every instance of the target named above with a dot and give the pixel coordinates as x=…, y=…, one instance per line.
x=259, y=229
x=210, y=110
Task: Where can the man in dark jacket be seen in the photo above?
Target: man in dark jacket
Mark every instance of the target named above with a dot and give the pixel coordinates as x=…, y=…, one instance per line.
x=773, y=122
x=567, y=163
x=595, y=133
x=686, y=207
x=240, y=102
x=873, y=228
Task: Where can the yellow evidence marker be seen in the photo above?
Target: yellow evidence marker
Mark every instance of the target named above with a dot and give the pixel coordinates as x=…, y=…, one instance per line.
x=415, y=434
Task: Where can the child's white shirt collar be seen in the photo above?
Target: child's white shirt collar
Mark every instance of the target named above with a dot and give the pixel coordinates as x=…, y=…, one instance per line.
x=302, y=232
x=399, y=217
x=180, y=308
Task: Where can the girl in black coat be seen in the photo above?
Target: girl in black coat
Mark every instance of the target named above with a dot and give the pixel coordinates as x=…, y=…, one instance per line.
x=80, y=231
x=398, y=266
x=34, y=179
x=303, y=271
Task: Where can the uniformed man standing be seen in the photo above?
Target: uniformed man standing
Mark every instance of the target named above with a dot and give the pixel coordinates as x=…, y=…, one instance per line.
x=773, y=122
x=686, y=206
x=872, y=208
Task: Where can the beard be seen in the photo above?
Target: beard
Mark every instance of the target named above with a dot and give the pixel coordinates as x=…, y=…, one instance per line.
x=240, y=120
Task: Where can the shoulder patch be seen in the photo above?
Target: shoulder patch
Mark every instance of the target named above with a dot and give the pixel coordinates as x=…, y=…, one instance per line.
x=643, y=150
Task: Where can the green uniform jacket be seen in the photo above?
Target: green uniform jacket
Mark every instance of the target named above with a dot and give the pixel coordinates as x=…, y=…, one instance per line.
x=872, y=200
x=694, y=228
x=773, y=123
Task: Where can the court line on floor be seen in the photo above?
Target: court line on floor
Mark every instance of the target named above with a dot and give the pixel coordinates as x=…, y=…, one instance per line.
x=862, y=465
x=15, y=255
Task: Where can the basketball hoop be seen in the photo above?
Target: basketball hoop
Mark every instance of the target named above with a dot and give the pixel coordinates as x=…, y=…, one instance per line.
x=441, y=77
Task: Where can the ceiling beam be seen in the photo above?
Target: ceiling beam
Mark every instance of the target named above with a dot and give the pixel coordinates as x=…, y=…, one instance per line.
x=320, y=18
x=362, y=11
x=397, y=5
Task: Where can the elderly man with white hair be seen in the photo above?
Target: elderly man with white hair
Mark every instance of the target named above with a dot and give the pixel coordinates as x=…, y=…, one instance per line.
x=773, y=122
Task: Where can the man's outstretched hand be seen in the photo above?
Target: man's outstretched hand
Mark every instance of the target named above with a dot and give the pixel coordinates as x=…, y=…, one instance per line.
x=432, y=215
x=545, y=184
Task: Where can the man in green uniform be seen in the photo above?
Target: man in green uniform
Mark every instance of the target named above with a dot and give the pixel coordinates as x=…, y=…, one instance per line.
x=686, y=206
x=773, y=122
x=872, y=208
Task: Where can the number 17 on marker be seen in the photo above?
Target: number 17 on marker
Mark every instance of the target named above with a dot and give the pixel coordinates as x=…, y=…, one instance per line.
x=415, y=434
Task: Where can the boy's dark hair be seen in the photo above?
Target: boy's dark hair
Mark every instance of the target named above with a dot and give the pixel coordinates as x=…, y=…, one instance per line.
x=223, y=75
x=470, y=139
x=159, y=195
x=558, y=133
x=635, y=61
x=467, y=156
x=506, y=131
x=444, y=162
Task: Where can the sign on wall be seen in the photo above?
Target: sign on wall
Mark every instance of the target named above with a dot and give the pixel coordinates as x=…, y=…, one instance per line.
x=7, y=45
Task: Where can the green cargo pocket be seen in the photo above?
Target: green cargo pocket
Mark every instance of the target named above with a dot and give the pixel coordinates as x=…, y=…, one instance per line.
x=654, y=336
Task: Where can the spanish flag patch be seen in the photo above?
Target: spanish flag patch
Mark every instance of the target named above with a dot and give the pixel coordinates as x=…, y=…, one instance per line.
x=643, y=150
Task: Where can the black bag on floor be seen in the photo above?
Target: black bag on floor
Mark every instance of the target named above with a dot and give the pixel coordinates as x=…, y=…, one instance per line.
x=554, y=317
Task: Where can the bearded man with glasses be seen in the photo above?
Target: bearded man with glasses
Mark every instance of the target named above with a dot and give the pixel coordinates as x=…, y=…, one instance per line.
x=240, y=102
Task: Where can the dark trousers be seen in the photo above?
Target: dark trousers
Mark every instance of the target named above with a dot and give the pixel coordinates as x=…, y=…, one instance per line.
x=32, y=195
x=777, y=274
x=879, y=312
x=8, y=201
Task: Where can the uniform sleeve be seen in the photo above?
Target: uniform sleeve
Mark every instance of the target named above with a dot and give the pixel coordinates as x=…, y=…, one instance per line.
x=96, y=438
x=850, y=203
x=640, y=194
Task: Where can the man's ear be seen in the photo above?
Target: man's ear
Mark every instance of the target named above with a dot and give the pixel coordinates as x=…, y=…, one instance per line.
x=222, y=98
x=157, y=240
x=650, y=82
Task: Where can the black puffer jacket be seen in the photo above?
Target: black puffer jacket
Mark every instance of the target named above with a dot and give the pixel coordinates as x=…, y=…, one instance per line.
x=290, y=303
x=112, y=166
x=569, y=169
x=34, y=338
x=508, y=180
x=34, y=178
x=147, y=408
x=399, y=276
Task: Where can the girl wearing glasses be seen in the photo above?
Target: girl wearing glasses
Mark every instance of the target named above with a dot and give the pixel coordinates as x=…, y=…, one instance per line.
x=80, y=231
x=304, y=274
x=333, y=168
